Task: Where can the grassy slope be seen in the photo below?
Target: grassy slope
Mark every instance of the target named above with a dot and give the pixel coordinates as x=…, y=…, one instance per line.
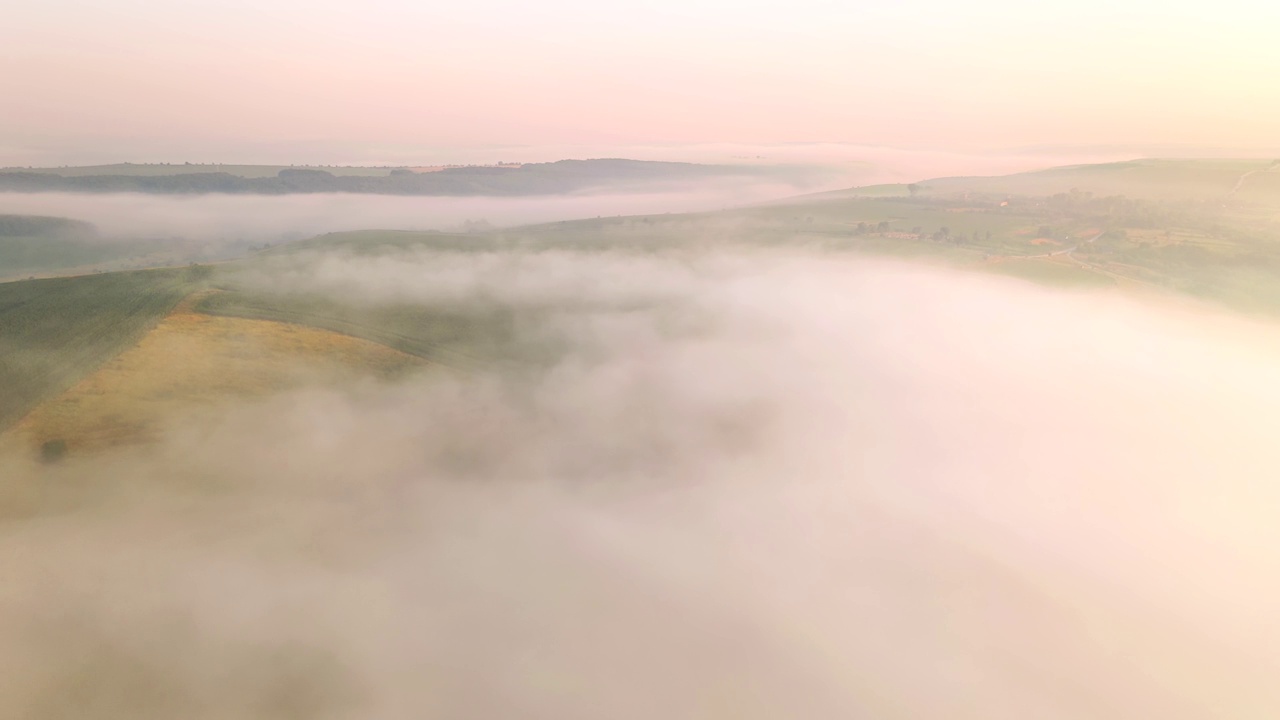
x=1210, y=228
x=36, y=245
x=365, y=242
x=864, y=191
x=37, y=255
x=54, y=332
x=1154, y=179
x=31, y=243
x=468, y=335
x=193, y=361
x=821, y=224
x=460, y=337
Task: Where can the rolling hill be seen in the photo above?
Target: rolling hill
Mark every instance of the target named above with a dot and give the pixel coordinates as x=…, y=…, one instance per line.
x=37, y=245
x=1224, y=247
x=54, y=332
x=1153, y=179
x=563, y=176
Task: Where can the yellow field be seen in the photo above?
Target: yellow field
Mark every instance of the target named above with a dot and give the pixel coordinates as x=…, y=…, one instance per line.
x=192, y=361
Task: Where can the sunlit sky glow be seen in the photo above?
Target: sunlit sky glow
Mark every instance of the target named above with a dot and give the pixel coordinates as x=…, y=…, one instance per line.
x=235, y=80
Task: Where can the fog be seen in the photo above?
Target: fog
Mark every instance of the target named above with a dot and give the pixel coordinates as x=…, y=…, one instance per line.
x=272, y=218
x=759, y=484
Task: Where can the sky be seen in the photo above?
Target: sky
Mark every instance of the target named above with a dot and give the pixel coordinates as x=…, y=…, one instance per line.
x=397, y=80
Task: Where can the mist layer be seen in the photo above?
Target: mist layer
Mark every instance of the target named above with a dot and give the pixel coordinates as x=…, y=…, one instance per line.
x=754, y=485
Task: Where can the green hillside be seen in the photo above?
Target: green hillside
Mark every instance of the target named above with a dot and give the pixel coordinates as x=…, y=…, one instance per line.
x=30, y=243
x=457, y=336
x=1154, y=179
x=36, y=245
x=1224, y=248
x=54, y=332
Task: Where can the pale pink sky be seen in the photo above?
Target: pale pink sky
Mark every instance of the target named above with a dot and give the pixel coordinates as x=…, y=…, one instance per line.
x=292, y=81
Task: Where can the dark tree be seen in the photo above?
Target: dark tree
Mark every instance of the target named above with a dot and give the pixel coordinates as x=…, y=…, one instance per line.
x=53, y=450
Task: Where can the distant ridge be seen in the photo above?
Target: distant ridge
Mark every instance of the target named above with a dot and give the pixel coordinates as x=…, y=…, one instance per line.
x=1246, y=180
x=564, y=176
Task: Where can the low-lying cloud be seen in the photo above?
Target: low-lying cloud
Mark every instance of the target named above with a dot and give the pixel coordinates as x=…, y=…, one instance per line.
x=799, y=486
x=272, y=218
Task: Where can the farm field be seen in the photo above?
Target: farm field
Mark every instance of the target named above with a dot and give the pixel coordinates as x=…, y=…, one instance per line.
x=54, y=332
x=191, y=362
x=455, y=336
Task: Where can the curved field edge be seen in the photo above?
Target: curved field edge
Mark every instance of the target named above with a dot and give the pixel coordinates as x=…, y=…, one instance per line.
x=192, y=363
x=464, y=337
x=55, y=332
